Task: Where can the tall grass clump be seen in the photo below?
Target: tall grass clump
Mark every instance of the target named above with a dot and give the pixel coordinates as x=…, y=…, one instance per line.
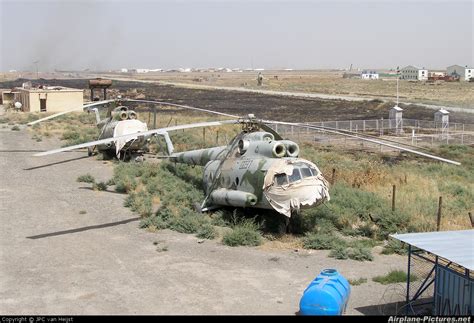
x=244, y=233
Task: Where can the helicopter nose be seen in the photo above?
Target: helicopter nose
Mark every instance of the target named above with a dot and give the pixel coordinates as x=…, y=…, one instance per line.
x=306, y=193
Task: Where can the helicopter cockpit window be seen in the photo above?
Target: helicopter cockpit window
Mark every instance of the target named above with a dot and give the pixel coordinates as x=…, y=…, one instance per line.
x=281, y=179
x=295, y=176
x=306, y=171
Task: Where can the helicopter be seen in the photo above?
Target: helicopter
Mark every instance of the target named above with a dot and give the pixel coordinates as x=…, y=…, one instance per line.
x=257, y=169
x=120, y=120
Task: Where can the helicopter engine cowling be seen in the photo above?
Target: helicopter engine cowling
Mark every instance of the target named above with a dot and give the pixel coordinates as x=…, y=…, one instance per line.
x=224, y=196
x=292, y=148
x=266, y=148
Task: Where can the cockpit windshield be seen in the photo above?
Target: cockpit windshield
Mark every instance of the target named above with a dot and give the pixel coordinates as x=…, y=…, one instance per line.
x=281, y=179
x=300, y=170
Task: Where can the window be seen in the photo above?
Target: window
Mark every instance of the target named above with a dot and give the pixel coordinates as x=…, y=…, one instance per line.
x=295, y=176
x=306, y=172
x=281, y=179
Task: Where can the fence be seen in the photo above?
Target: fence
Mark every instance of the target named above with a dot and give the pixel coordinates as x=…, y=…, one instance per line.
x=412, y=131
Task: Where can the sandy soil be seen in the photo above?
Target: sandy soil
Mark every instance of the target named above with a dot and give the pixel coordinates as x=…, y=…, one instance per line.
x=55, y=260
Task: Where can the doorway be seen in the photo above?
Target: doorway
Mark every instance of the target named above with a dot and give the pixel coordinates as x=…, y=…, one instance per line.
x=42, y=105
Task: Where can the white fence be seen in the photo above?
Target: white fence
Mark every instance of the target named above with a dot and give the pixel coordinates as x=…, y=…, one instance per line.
x=412, y=131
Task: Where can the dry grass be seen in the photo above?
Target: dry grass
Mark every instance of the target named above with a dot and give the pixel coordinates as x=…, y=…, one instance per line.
x=455, y=93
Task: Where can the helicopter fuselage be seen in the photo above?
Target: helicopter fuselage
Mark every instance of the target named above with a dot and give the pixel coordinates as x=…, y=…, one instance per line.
x=255, y=170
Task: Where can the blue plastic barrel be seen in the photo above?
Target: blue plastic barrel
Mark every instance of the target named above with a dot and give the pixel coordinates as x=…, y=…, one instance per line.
x=327, y=294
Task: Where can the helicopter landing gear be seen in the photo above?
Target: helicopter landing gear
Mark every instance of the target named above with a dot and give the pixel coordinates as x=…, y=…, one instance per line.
x=294, y=222
x=197, y=207
x=90, y=151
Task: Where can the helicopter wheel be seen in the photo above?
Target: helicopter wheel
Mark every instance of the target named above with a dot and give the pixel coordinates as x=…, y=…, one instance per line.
x=90, y=151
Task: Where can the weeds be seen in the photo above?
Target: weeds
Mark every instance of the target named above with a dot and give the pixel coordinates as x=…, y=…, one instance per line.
x=357, y=282
x=395, y=276
x=87, y=178
x=244, y=233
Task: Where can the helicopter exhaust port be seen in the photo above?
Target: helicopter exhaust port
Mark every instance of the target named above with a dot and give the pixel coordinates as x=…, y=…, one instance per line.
x=233, y=198
x=279, y=150
x=292, y=148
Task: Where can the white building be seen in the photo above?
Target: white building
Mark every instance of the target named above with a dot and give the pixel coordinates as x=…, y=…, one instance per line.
x=124, y=70
x=369, y=75
x=414, y=73
x=465, y=73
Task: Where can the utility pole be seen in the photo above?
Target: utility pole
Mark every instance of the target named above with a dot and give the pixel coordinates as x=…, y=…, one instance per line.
x=37, y=73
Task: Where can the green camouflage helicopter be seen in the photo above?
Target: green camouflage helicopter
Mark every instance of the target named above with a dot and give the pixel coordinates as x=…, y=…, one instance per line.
x=257, y=169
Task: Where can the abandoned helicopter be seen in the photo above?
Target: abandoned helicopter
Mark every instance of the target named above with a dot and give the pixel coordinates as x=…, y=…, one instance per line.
x=120, y=120
x=257, y=169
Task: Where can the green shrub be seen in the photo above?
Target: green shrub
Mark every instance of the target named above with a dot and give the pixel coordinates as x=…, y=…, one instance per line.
x=357, y=282
x=188, y=221
x=395, y=276
x=339, y=252
x=360, y=254
x=140, y=202
x=244, y=233
x=394, y=246
x=101, y=186
x=87, y=178
x=207, y=231
x=15, y=128
x=322, y=241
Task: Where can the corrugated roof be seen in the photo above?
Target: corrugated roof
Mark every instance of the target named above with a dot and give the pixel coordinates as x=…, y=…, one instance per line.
x=455, y=246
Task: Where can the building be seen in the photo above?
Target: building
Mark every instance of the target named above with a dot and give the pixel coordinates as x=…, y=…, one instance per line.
x=464, y=73
x=414, y=73
x=369, y=75
x=48, y=98
x=8, y=97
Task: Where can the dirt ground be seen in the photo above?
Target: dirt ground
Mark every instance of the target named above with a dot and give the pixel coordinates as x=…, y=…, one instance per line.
x=65, y=249
x=456, y=94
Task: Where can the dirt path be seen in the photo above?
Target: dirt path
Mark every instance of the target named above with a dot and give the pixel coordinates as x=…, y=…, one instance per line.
x=55, y=260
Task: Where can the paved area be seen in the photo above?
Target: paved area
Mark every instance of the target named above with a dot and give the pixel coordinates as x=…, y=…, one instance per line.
x=65, y=249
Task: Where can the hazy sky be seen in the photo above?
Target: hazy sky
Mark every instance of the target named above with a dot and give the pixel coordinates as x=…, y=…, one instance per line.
x=260, y=34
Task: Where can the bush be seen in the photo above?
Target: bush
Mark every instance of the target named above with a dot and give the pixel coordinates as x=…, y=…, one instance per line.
x=357, y=282
x=394, y=246
x=87, y=178
x=15, y=128
x=339, y=252
x=360, y=254
x=395, y=276
x=207, y=231
x=322, y=241
x=140, y=202
x=188, y=221
x=244, y=233
x=101, y=186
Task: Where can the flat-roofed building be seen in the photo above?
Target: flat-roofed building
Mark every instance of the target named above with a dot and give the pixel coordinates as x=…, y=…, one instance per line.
x=49, y=98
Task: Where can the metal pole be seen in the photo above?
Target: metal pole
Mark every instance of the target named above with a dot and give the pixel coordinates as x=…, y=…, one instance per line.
x=393, y=197
x=438, y=221
x=154, y=117
x=408, y=279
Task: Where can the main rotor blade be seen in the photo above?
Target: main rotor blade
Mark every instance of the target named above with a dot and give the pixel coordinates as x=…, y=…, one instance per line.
x=72, y=110
x=181, y=106
x=376, y=141
x=138, y=134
